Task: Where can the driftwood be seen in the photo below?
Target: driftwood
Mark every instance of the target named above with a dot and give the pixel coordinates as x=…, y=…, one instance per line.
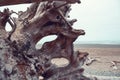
x=20, y=60
x=13, y=2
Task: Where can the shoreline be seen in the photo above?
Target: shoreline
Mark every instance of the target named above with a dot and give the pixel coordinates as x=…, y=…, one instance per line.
x=97, y=45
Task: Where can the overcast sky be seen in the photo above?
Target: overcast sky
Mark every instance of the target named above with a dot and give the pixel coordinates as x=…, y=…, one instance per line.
x=99, y=18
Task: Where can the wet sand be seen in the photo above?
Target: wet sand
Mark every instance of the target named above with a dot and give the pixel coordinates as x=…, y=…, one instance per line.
x=104, y=55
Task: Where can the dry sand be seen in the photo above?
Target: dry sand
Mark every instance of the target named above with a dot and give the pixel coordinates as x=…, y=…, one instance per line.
x=104, y=55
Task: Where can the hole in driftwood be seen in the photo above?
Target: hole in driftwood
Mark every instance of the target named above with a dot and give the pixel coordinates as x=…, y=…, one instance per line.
x=41, y=78
x=45, y=39
x=57, y=17
x=14, y=15
x=60, y=62
x=8, y=27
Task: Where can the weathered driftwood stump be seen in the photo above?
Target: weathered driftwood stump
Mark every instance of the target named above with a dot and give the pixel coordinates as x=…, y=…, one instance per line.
x=20, y=60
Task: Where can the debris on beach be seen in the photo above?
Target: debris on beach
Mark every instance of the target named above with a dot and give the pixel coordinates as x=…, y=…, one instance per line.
x=90, y=60
x=114, y=64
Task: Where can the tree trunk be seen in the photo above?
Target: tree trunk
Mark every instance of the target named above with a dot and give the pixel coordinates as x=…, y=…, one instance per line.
x=20, y=60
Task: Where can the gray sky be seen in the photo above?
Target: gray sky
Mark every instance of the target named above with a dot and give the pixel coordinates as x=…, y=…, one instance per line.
x=99, y=18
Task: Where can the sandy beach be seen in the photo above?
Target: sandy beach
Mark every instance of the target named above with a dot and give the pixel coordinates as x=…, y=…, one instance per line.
x=104, y=55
